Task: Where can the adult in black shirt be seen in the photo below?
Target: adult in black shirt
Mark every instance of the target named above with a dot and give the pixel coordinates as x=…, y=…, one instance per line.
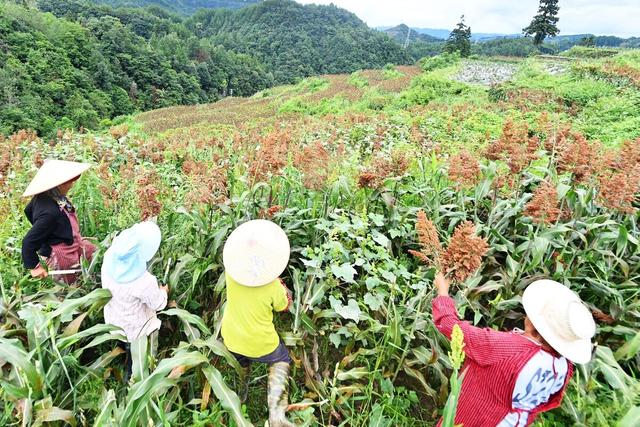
x=55, y=232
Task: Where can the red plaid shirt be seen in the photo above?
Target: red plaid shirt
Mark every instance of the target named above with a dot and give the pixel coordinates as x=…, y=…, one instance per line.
x=494, y=360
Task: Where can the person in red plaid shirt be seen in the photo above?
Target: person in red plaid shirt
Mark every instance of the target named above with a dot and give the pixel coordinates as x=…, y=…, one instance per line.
x=513, y=376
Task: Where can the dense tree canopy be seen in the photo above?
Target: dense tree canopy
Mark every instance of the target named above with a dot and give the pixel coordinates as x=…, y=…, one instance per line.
x=295, y=40
x=186, y=7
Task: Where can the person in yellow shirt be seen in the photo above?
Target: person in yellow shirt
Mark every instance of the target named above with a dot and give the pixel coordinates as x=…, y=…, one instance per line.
x=254, y=256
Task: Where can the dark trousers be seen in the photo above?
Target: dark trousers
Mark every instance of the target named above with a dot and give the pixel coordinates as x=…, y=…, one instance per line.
x=280, y=354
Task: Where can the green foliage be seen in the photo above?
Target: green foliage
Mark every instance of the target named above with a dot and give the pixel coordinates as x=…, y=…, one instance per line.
x=391, y=72
x=520, y=47
x=57, y=72
x=427, y=88
x=459, y=40
x=590, y=52
x=323, y=107
x=588, y=41
x=358, y=80
x=296, y=40
x=440, y=61
x=186, y=7
x=544, y=24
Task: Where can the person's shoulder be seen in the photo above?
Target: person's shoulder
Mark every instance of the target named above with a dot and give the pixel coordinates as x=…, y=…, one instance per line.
x=43, y=201
x=274, y=285
x=147, y=279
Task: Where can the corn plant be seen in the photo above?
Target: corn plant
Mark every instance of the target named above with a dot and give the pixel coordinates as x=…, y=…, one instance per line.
x=51, y=374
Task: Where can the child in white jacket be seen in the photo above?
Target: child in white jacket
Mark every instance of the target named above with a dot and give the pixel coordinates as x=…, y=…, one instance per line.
x=135, y=293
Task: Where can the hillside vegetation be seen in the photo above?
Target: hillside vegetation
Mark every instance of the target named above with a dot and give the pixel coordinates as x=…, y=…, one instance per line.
x=296, y=40
x=185, y=7
x=419, y=44
x=545, y=163
x=88, y=62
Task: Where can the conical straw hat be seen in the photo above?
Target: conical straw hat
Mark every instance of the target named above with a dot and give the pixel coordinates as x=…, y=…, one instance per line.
x=256, y=253
x=53, y=173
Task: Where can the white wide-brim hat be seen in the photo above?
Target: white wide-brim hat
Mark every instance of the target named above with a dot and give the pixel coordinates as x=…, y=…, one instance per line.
x=127, y=257
x=256, y=253
x=560, y=318
x=53, y=173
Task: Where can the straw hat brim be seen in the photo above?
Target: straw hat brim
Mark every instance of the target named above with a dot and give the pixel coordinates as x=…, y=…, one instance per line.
x=53, y=173
x=534, y=299
x=256, y=253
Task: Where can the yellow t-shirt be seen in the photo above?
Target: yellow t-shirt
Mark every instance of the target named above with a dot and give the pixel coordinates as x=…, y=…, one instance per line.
x=247, y=323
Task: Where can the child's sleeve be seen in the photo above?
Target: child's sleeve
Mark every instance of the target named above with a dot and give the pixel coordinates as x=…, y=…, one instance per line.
x=282, y=298
x=151, y=294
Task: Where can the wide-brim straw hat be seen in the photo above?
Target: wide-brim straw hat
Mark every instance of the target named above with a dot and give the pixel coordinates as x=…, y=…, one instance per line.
x=127, y=257
x=561, y=318
x=256, y=253
x=53, y=173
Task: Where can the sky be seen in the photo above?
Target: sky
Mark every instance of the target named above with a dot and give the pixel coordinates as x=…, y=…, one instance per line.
x=600, y=17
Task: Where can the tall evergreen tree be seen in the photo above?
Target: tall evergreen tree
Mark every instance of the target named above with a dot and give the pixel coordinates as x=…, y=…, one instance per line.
x=544, y=23
x=460, y=39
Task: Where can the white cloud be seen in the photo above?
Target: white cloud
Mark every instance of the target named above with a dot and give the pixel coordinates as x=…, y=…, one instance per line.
x=613, y=17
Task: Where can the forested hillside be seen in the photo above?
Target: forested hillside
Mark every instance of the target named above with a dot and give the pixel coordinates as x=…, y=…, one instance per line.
x=296, y=40
x=185, y=7
x=87, y=62
x=56, y=73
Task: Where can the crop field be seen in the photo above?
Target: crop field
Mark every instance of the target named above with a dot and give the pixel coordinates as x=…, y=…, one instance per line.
x=541, y=155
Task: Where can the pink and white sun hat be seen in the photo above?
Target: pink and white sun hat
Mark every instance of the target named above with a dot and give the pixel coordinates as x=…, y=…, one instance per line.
x=256, y=253
x=561, y=318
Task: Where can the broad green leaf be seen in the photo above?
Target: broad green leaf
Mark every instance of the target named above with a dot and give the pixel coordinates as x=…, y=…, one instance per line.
x=513, y=266
x=621, y=242
x=353, y=374
x=107, y=407
x=189, y=320
x=227, y=397
x=380, y=239
x=139, y=358
x=631, y=418
x=100, y=328
x=415, y=373
x=181, y=267
x=629, y=349
x=53, y=414
x=69, y=306
x=374, y=302
x=12, y=351
x=345, y=272
x=350, y=311
x=335, y=339
x=74, y=326
x=157, y=382
x=540, y=246
x=219, y=349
